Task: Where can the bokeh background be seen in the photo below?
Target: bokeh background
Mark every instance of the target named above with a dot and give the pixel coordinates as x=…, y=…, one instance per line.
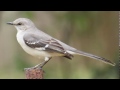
x=94, y=32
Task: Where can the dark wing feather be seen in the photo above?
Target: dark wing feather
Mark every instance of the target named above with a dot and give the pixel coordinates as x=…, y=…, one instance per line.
x=35, y=41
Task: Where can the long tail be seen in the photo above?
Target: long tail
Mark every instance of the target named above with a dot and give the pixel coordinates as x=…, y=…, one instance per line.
x=92, y=56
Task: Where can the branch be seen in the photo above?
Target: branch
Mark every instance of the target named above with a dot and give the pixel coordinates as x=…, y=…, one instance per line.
x=34, y=73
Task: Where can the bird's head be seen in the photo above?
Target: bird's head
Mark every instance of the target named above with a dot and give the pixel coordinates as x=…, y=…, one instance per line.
x=22, y=24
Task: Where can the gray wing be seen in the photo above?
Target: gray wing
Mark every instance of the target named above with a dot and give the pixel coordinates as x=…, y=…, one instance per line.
x=49, y=44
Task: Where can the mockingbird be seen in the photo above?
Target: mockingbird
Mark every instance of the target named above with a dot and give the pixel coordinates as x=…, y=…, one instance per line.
x=39, y=44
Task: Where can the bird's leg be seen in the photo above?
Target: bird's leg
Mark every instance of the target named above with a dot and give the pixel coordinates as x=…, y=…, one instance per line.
x=43, y=63
x=46, y=59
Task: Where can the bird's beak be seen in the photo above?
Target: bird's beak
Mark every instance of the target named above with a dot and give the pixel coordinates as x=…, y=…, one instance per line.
x=10, y=23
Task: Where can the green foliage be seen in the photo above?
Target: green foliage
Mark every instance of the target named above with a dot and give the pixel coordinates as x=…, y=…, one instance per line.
x=27, y=14
x=20, y=62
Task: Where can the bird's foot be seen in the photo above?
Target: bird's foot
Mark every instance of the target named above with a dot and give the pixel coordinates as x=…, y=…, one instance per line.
x=37, y=66
x=41, y=64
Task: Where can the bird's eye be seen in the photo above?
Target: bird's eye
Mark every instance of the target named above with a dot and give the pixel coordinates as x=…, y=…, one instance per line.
x=19, y=24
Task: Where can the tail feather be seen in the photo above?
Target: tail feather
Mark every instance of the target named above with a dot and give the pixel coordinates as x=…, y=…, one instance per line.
x=92, y=56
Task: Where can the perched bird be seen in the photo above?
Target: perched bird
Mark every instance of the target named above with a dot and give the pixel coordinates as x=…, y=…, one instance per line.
x=39, y=44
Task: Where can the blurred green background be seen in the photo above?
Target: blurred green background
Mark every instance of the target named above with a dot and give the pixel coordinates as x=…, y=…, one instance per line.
x=94, y=32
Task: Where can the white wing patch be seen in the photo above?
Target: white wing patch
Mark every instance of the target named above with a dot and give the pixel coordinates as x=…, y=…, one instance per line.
x=42, y=48
x=33, y=43
x=46, y=45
